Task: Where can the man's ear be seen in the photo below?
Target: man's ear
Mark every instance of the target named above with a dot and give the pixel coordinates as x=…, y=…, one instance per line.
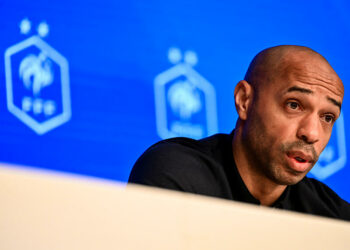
x=243, y=98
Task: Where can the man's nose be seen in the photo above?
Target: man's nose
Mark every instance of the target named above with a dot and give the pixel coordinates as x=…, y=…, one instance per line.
x=309, y=129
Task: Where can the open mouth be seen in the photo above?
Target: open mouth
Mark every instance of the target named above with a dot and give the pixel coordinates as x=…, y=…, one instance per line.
x=300, y=157
x=301, y=160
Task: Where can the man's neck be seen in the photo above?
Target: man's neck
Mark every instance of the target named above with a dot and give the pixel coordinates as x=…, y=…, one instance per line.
x=259, y=185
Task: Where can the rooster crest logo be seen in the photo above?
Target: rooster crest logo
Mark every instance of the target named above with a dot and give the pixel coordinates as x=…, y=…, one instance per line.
x=36, y=72
x=185, y=101
x=32, y=66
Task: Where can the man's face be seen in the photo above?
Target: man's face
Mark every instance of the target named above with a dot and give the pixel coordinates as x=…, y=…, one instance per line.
x=291, y=121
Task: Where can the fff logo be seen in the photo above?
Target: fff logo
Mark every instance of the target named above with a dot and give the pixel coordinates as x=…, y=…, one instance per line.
x=37, y=81
x=185, y=101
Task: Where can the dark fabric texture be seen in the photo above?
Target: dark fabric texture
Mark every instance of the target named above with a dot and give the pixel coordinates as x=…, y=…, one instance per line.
x=206, y=167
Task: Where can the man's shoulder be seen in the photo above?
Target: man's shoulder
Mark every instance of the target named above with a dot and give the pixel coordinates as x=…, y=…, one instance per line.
x=179, y=163
x=177, y=147
x=203, y=145
x=323, y=198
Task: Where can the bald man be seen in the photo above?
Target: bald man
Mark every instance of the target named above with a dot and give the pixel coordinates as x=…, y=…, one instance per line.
x=287, y=105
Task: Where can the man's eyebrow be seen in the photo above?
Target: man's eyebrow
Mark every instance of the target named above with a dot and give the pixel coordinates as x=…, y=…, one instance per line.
x=336, y=103
x=309, y=91
x=299, y=89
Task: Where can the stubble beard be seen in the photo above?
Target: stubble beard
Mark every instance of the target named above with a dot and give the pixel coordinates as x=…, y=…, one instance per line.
x=268, y=159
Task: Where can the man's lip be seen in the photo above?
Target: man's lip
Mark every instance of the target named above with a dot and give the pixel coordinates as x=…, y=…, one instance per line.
x=306, y=157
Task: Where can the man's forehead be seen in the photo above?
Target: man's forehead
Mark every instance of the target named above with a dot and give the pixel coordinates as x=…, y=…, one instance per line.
x=311, y=71
x=315, y=77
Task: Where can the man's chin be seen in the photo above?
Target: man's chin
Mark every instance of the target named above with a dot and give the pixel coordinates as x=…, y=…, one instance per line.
x=290, y=178
x=288, y=182
x=287, y=176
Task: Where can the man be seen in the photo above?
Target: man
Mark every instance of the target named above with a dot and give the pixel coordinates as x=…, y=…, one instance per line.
x=287, y=105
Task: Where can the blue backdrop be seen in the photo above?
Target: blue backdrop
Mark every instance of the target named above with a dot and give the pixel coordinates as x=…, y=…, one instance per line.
x=87, y=86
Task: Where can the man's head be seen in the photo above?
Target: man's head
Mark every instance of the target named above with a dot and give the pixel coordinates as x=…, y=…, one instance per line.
x=287, y=106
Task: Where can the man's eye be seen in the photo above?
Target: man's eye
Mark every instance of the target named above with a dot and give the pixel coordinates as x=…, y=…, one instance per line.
x=329, y=118
x=293, y=105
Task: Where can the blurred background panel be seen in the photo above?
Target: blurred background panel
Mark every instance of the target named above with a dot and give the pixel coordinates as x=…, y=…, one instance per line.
x=87, y=86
